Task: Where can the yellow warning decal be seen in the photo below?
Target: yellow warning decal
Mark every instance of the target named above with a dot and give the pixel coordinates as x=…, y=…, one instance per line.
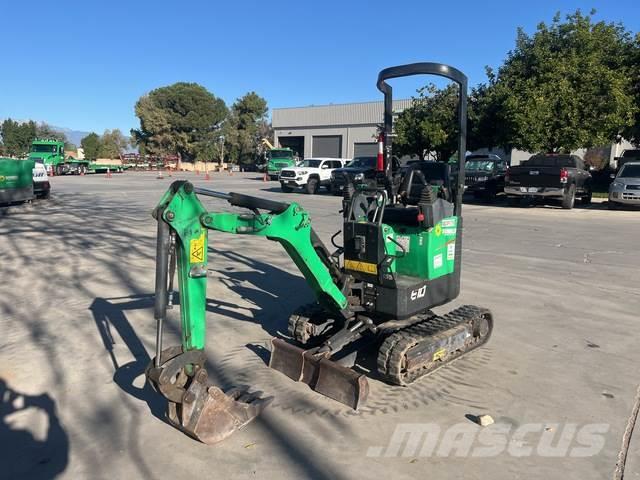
x=196, y=249
x=438, y=230
x=361, y=266
x=439, y=354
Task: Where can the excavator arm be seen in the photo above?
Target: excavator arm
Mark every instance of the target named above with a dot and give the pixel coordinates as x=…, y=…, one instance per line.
x=287, y=224
x=195, y=407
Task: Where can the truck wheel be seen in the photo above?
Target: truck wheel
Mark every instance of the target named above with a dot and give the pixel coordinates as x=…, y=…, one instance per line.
x=569, y=198
x=58, y=170
x=285, y=189
x=490, y=194
x=312, y=186
x=586, y=199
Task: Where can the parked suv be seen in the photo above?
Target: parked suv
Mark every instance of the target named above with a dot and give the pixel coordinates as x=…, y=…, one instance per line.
x=312, y=174
x=629, y=155
x=358, y=170
x=625, y=188
x=484, y=176
x=550, y=176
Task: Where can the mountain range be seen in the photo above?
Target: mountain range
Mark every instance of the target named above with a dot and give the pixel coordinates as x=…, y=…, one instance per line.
x=73, y=136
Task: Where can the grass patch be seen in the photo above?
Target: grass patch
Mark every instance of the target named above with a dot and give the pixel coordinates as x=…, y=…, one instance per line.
x=600, y=194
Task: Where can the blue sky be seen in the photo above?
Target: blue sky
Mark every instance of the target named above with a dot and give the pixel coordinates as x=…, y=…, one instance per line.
x=84, y=64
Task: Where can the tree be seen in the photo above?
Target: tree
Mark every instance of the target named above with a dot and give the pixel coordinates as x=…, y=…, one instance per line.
x=632, y=132
x=429, y=124
x=112, y=144
x=566, y=86
x=246, y=127
x=485, y=118
x=91, y=146
x=177, y=118
x=44, y=130
x=17, y=137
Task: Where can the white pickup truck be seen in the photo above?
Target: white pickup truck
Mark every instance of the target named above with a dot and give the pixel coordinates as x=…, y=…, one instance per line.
x=310, y=175
x=41, y=185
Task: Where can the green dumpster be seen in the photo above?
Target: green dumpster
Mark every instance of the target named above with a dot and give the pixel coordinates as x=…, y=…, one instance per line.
x=16, y=180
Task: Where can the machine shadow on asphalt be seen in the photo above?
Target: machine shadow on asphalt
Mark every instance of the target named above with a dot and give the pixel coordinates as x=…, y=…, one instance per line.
x=262, y=285
x=23, y=454
x=109, y=314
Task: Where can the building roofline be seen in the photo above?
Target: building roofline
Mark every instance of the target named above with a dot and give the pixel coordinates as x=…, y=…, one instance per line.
x=339, y=104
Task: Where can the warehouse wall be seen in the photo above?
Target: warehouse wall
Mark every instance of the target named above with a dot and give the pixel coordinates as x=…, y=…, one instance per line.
x=350, y=135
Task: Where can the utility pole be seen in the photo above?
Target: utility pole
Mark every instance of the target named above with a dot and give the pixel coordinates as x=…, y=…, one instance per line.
x=221, y=140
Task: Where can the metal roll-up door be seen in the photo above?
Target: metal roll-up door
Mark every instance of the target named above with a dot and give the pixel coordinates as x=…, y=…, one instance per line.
x=329, y=146
x=365, y=149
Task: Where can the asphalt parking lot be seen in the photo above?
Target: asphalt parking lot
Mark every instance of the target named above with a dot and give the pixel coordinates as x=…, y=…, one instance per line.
x=77, y=331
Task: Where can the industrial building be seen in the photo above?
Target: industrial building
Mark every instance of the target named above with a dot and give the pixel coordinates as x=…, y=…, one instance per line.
x=349, y=130
x=335, y=131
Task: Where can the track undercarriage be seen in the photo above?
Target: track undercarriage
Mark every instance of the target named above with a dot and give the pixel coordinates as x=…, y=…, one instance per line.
x=406, y=349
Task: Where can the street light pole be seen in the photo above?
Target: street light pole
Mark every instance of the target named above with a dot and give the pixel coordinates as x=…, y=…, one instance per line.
x=221, y=140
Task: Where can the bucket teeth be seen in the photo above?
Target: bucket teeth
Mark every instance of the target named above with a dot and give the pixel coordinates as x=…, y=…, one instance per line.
x=201, y=410
x=320, y=373
x=211, y=415
x=223, y=413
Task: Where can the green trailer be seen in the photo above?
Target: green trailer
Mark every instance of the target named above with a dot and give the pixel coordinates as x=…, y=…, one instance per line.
x=16, y=180
x=104, y=168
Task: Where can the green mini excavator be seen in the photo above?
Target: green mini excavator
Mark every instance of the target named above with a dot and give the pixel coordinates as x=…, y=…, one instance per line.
x=400, y=257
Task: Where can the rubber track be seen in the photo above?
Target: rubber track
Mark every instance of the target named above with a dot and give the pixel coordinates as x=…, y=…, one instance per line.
x=395, y=347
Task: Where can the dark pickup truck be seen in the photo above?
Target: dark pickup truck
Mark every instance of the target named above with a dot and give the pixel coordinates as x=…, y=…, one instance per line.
x=549, y=177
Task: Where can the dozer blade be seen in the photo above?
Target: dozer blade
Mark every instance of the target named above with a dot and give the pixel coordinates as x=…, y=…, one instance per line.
x=342, y=384
x=321, y=374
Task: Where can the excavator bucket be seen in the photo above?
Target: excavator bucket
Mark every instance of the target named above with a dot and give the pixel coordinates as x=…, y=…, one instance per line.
x=212, y=415
x=320, y=373
x=199, y=409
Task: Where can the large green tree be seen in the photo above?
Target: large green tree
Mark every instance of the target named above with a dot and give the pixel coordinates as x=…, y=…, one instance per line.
x=17, y=137
x=566, y=86
x=632, y=132
x=429, y=125
x=176, y=119
x=112, y=144
x=246, y=126
x=485, y=119
x=91, y=146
